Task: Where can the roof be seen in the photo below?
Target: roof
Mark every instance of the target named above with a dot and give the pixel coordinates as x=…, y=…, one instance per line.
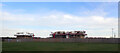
x=23, y=33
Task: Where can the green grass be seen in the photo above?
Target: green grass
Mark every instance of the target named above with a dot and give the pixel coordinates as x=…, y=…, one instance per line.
x=47, y=46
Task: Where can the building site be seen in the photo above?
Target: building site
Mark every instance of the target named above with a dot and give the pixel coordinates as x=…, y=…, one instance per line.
x=59, y=36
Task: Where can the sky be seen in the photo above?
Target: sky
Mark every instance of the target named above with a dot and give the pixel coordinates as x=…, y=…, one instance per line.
x=60, y=0
x=42, y=18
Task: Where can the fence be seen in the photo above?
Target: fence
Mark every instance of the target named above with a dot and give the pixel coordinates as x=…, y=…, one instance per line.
x=94, y=40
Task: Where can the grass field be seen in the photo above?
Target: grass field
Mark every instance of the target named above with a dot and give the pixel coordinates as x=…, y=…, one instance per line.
x=47, y=46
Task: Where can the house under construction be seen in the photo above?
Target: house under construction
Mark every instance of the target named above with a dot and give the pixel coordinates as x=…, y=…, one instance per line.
x=22, y=35
x=72, y=34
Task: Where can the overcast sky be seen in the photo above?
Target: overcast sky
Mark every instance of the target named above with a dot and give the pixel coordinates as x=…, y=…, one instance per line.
x=41, y=18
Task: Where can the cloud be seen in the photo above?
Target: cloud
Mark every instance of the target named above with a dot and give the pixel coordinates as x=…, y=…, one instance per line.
x=58, y=20
x=94, y=25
